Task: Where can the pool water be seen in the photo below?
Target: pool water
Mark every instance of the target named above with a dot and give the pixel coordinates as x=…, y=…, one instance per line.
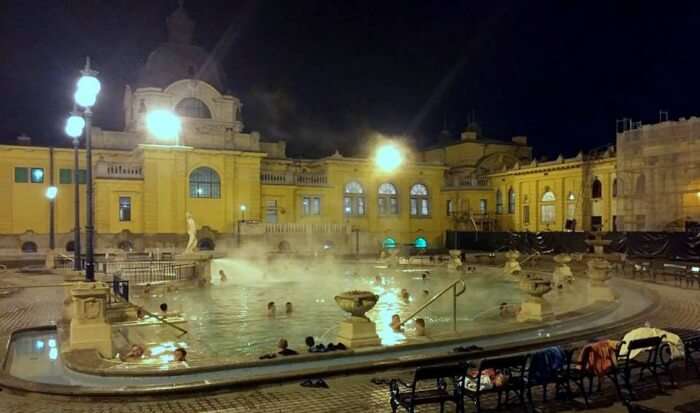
x=229, y=319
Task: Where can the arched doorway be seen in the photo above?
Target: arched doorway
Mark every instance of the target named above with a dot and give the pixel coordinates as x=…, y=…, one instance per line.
x=206, y=244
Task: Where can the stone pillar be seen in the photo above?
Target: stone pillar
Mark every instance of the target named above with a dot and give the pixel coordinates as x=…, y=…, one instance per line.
x=357, y=332
x=512, y=265
x=562, y=275
x=598, y=272
x=455, y=260
x=72, y=277
x=89, y=328
x=534, y=307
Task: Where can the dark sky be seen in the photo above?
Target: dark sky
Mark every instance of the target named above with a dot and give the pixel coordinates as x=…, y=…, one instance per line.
x=325, y=74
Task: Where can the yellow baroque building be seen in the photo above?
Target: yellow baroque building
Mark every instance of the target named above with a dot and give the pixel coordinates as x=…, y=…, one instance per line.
x=242, y=190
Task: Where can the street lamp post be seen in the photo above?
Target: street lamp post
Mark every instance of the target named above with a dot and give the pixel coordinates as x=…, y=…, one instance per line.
x=51, y=193
x=86, y=96
x=238, y=230
x=74, y=128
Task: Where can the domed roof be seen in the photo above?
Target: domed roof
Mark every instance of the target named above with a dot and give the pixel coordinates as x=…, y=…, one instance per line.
x=179, y=59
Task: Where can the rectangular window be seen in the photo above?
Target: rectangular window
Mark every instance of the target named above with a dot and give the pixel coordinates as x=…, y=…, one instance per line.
x=596, y=223
x=82, y=176
x=312, y=205
x=37, y=176
x=21, y=175
x=393, y=206
x=548, y=214
x=526, y=214
x=424, y=210
x=483, y=206
x=382, y=205
x=360, y=206
x=124, y=208
x=450, y=208
x=65, y=176
x=271, y=211
x=414, y=206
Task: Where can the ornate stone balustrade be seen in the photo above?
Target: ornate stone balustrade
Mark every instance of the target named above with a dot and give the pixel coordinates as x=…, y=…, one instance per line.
x=281, y=178
x=118, y=170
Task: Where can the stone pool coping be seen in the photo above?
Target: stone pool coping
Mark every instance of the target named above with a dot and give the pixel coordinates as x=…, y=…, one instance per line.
x=397, y=362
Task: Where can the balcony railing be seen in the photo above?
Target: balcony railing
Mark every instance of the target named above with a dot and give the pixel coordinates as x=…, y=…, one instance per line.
x=259, y=228
x=118, y=170
x=466, y=182
x=281, y=178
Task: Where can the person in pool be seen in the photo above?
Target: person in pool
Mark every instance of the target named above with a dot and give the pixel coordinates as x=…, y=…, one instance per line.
x=395, y=323
x=288, y=309
x=135, y=353
x=271, y=310
x=180, y=354
x=284, y=349
x=405, y=295
x=222, y=276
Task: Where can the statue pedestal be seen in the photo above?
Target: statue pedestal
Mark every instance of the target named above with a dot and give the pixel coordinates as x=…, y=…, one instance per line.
x=598, y=273
x=358, y=332
x=535, y=309
x=455, y=260
x=89, y=328
x=562, y=274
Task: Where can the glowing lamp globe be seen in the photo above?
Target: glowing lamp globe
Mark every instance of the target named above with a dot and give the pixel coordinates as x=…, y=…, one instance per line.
x=74, y=126
x=388, y=157
x=163, y=124
x=51, y=192
x=88, y=88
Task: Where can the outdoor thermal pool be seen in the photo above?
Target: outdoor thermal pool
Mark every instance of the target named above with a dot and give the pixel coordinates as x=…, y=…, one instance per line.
x=229, y=320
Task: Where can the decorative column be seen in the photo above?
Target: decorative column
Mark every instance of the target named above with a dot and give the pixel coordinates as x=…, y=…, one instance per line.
x=358, y=330
x=598, y=272
x=89, y=328
x=562, y=275
x=455, y=260
x=512, y=266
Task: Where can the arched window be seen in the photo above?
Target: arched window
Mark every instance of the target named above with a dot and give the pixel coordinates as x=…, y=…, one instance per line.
x=29, y=246
x=389, y=243
x=354, y=199
x=499, y=202
x=387, y=199
x=126, y=246
x=420, y=205
x=614, y=188
x=421, y=243
x=597, y=189
x=511, y=201
x=193, y=108
x=206, y=244
x=570, y=206
x=641, y=185
x=205, y=183
x=548, y=208
x=70, y=246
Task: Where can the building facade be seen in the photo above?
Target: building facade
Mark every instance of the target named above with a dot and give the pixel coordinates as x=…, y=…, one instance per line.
x=242, y=189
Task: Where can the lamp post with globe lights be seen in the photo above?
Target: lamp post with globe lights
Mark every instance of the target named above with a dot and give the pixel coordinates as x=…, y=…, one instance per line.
x=51, y=193
x=85, y=96
x=74, y=128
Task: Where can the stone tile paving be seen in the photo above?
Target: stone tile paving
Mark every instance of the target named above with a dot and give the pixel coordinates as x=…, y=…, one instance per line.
x=680, y=308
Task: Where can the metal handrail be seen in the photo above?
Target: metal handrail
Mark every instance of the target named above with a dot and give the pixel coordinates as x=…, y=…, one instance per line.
x=157, y=317
x=455, y=294
x=529, y=257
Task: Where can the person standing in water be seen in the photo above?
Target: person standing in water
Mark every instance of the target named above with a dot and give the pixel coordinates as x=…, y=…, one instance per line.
x=271, y=310
x=222, y=276
x=288, y=309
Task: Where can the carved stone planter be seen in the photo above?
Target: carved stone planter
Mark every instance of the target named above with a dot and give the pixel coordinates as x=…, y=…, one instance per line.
x=455, y=260
x=358, y=330
x=562, y=275
x=534, y=307
x=512, y=266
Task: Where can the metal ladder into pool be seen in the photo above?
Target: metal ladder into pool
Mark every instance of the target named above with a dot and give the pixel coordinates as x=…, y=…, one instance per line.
x=452, y=286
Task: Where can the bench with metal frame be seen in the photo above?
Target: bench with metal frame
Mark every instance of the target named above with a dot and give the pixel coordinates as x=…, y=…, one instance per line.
x=415, y=394
x=578, y=372
x=513, y=371
x=691, y=346
x=651, y=347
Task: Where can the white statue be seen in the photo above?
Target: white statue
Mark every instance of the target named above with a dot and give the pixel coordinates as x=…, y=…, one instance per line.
x=192, y=233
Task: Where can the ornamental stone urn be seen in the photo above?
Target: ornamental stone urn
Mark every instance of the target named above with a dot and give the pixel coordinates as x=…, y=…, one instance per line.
x=598, y=243
x=455, y=260
x=599, y=274
x=512, y=266
x=562, y=275
x=357, y=330
x=534, y=307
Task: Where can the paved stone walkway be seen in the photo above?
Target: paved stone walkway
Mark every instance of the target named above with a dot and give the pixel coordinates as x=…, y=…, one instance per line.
x=680, y=308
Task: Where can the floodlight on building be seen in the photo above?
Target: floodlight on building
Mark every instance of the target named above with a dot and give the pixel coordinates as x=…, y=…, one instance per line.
x=243, y=207
x=74, y=126
x=51, y=192
x=163, y=124
x=388, y=157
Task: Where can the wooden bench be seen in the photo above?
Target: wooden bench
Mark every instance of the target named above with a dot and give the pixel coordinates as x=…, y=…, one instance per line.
x=410, y=396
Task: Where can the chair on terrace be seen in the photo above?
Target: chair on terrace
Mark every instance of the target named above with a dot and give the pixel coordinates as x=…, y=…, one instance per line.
x=410, y=396
x=649, y=360
x=506, y=375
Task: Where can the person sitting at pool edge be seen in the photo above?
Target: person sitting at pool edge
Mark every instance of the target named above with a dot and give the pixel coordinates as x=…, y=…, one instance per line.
x=283, y=346
x=135, y=353
x=288, y=309
x=313, y=347
x=396, y=323
x=164, y=308
x=271, y=310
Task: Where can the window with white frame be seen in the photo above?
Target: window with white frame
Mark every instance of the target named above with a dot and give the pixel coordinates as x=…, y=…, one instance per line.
x=548, y=207
x=420, y=204
x=311, y=205
x=354, y=199
x=387, y=199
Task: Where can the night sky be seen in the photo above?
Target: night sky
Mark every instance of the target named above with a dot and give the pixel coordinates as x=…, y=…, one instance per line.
x=326, y=74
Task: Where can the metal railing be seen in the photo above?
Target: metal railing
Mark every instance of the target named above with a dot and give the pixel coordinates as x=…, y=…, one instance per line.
x=120, y=287
x=119, y=299
x=529, y=257
x=283, y=178
x=118, y=170
x=455, y=294
x=146, y=272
